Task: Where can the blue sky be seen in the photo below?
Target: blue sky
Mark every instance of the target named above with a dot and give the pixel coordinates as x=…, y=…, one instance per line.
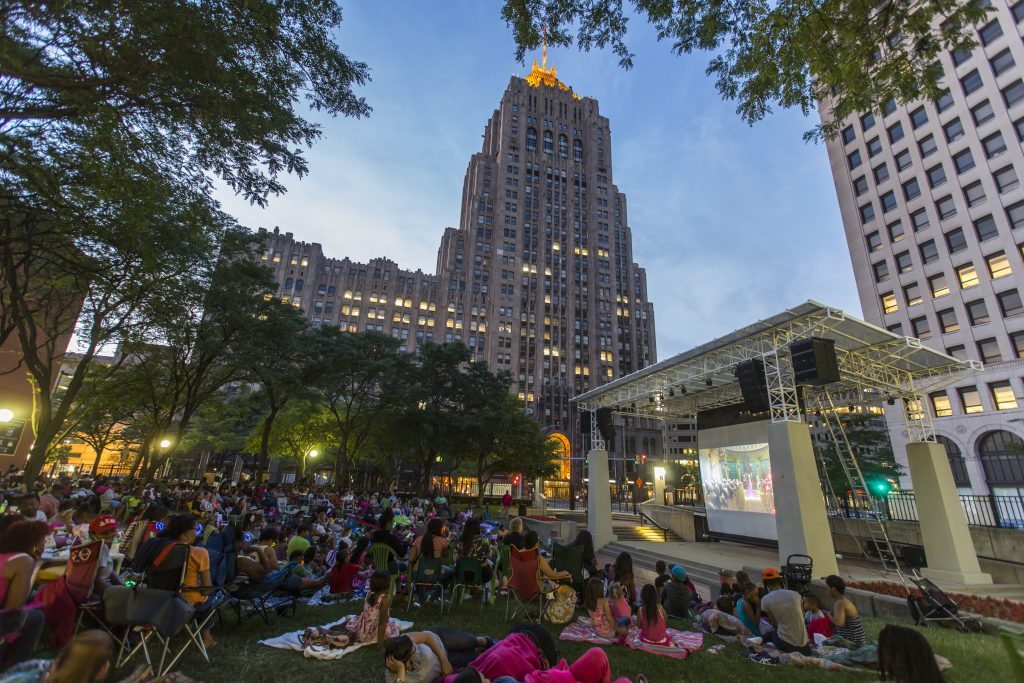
x=733, y=223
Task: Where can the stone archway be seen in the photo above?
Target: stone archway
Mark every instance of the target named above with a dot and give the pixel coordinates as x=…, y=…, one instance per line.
x=562, y=455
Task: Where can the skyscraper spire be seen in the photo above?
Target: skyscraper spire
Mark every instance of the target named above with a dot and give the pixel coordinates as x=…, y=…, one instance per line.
x=544, y=47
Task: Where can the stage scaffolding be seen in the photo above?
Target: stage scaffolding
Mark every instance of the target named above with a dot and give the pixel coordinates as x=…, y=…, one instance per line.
x=871, y=361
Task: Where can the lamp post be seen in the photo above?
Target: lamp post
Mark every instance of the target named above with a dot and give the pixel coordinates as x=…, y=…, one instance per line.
x=6, y=415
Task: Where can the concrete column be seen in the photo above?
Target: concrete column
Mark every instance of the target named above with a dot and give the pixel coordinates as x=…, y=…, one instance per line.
x=948, y=546
x=800, y=516
x=599, y=499
x=659, y=484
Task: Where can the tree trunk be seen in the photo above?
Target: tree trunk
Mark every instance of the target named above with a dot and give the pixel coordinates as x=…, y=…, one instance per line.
x=268, y=428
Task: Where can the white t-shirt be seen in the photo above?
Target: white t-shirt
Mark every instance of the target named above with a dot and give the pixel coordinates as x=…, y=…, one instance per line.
x=785, y=607
x=424, y=668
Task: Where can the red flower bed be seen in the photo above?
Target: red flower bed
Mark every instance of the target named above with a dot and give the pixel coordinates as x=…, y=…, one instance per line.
x=999, y=608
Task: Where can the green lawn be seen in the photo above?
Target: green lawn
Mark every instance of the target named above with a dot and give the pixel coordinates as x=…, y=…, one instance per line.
x=238, y=657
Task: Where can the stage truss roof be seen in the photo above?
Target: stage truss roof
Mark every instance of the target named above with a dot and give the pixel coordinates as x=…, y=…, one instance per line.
x=871, y=360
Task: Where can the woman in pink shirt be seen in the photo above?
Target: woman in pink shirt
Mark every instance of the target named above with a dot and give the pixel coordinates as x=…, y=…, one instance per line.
x=652, y=617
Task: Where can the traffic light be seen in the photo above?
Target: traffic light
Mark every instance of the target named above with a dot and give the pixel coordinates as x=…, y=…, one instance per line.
x=880, y=487
x=515, y=480
x=643, y=459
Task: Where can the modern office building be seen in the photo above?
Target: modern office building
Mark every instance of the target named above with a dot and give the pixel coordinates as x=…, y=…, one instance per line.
x=537, y=280
x=932, y=205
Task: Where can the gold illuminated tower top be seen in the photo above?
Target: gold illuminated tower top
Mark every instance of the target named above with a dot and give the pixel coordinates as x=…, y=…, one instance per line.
x=542, y=75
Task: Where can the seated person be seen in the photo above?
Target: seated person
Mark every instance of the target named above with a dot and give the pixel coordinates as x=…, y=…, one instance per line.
x=86, y=659
x=722, y=621
x=845, y=617
x=374, y=623
x=21, y=544
x=514, y=537
x=812, y=607
x=676, y=596
x=104, y=528
x=532, y=541
x=297, y=563
x=782, y=608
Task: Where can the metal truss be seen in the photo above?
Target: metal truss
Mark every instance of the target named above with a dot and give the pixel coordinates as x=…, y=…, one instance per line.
x=596, y=440
x=703, y=380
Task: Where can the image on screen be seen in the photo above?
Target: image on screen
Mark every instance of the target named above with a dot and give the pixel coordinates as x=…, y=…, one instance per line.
x=738, y=492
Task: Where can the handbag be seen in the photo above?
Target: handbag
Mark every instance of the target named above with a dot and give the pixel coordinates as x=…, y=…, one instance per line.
x=563, y=606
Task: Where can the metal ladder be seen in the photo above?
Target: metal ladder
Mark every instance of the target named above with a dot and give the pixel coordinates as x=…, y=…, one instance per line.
x=858, y=486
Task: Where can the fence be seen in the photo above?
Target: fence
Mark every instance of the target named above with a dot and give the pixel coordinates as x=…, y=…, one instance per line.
x=1006, y=512
x=567, y=495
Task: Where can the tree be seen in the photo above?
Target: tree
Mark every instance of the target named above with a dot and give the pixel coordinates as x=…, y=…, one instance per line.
x=115, y=119
x=303, y=426
x=356, y=374
x=872, y=449
x=792, y=53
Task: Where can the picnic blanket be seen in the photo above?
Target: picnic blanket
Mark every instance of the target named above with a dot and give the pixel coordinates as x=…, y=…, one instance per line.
x=290, y=641
x=678, y=645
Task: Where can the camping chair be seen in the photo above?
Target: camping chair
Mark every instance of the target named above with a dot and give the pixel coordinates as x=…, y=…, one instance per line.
x=468, y=574
x=798, y=572
x=79, y=579
x=167, y=573
x=383, y=555
x=259, y=598
x=429, y=571
x=524, y=583
x=1013, y=641
x=569, y=559
x=503, y=561
x=933, y=605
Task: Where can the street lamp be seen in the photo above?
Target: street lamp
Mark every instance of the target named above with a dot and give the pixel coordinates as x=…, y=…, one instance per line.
x=165, y=443
x=6, y=415
x=313, y=453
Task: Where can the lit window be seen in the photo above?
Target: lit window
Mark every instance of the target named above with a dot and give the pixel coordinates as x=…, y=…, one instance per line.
x=967, y=275
x=889, y=304
x=941, y=405
x=1002, y=395
x=998, y=265
x=970, y=400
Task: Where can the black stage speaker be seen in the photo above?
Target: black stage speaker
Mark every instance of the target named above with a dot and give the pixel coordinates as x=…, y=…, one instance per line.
x=814, y=361
x=753, y=385
x=605, y=426
x=585, y=422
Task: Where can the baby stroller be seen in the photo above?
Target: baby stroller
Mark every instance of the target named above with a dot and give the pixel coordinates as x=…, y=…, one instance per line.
x=931, y=605
x=798, y=572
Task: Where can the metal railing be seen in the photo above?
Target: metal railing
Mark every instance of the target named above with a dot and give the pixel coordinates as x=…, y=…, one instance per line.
x=1001, y=512
x=691, y=496
x=647, y=519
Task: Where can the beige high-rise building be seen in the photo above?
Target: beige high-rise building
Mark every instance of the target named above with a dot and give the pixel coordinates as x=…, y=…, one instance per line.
x=931, y=200
x=537, y=280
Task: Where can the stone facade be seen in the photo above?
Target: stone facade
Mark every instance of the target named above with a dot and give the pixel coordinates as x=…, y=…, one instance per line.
x=931, y=200
x=538, y=279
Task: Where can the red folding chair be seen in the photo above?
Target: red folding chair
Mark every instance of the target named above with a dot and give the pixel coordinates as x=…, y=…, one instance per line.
x=524, y=583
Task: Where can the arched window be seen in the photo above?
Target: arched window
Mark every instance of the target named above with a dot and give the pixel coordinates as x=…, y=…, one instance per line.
x=298, y=285
x=288, y=283
x=577, y=151
x=321, y=290
x=1002, y=456
x=332, y=290
x=531, y=139
x=956, y=460
x=563, y=146
x=549, y=142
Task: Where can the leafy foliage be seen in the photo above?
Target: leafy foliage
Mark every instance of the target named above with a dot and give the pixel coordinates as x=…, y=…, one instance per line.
x=851, y=55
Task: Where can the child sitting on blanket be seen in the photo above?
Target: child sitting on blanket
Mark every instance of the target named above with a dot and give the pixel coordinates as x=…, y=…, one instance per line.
x=812, y=608
x=600, y=612
x=652, y=617
x=722, y=621
x=621, y=612
x=374, y=625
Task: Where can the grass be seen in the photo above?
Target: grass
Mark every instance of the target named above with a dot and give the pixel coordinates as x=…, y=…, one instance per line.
x=239, y=657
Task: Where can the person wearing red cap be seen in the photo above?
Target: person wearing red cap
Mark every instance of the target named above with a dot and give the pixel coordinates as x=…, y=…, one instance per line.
x=784, y=610
x=104, y=528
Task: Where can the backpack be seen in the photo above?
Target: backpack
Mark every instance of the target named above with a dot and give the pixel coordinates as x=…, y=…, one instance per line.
x=562, y=606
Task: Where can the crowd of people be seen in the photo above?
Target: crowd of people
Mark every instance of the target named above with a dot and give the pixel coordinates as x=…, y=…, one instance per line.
x=313, y=541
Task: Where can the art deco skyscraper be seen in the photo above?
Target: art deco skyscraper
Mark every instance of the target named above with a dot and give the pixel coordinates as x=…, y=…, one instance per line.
x=931, y=200
x=537, y=280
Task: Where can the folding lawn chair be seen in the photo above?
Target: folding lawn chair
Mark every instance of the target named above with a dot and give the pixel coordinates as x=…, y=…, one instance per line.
x=429, y=571
x=79, y=579
x=167, y=574
x=932, y=605
x=468, y=574
x=798, y=572
x=569, y=559
x=383, y=556
x=260, y=598
x=524, y=583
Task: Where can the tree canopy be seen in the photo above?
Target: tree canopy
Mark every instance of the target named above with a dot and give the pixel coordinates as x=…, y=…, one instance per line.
x=853, y=56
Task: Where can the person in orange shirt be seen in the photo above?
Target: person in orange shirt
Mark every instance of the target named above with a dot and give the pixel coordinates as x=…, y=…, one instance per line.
x=183, y=529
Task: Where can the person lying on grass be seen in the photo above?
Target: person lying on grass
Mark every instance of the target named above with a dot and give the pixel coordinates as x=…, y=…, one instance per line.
x=426, y=656
x=591, y=667
x=722, y=621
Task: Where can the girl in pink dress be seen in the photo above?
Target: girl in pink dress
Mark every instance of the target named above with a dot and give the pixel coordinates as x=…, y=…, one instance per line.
x=374, y=625
x=652, y=617
x=621, y=612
